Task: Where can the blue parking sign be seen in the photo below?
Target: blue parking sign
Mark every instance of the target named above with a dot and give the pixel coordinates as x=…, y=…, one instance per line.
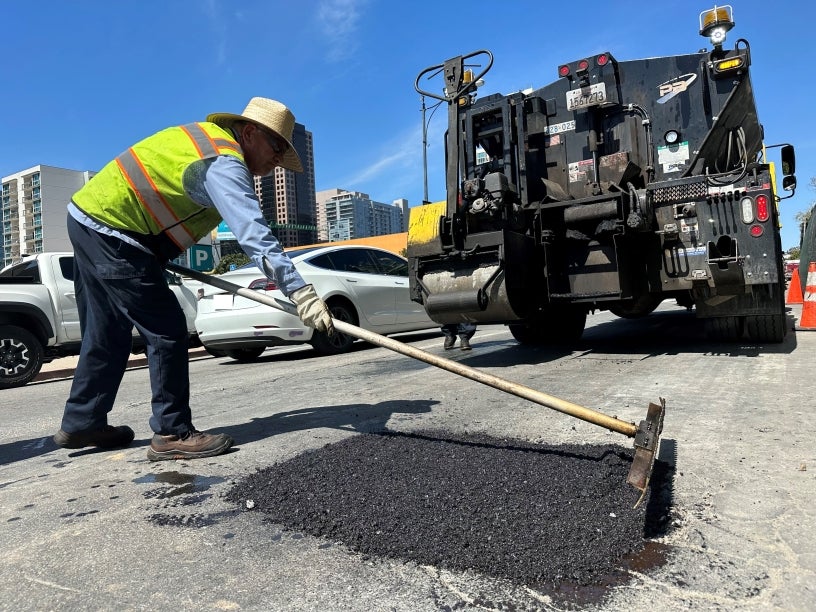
x=201, y=257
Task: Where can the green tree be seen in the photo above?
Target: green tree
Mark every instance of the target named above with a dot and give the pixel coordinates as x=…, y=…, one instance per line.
x=238, y=259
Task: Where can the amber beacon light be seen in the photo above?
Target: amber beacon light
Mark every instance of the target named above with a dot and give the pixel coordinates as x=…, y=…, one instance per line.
x=714, y=23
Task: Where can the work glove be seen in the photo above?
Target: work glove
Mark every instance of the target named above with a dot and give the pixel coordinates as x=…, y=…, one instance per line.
x=312, y=310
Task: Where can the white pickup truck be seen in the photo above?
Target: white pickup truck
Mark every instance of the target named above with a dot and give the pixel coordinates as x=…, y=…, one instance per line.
x=39, y=320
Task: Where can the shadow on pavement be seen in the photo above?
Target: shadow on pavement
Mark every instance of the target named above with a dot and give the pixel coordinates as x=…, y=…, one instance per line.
x=352, y=417
x=362, y=418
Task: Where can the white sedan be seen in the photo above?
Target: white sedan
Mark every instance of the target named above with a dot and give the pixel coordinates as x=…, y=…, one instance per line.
x=364, y=286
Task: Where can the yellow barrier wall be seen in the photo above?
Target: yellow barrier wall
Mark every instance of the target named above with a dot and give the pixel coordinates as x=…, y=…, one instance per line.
x=396, y=243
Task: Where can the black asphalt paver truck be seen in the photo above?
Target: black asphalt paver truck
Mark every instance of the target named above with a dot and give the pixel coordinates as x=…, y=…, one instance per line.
x=617, y=186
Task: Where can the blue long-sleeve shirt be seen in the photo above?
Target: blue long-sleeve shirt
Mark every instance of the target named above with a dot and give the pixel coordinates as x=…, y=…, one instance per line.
x=224, y=182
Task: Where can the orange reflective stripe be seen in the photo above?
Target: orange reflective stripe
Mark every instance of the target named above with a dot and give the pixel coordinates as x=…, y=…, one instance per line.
x=152, y=200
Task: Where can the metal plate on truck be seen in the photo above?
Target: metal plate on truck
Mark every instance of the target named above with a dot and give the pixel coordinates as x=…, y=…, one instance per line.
x=586, y=96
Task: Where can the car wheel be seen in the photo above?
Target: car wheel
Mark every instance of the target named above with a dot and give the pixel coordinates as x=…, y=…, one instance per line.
x=215, y=352
x=21, y=356
x=245, y=355
x=337, y=343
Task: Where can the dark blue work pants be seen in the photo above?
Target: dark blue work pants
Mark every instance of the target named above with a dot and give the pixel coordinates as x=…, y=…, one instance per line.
x=119, y=286
x=465, y=331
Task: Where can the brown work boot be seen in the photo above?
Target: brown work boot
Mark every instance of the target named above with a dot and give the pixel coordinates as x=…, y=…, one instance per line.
x=464, y=344
x=449, y=342
x=106, y=437
x=194, y=445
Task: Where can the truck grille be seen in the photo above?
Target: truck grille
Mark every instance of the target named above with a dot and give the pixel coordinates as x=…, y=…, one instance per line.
x=681, y=192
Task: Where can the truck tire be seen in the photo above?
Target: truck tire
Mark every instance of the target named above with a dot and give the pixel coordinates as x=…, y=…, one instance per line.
x=766, y=328
x=638, y=308
x=21, y=356
x=558, y=326
x=724, y=329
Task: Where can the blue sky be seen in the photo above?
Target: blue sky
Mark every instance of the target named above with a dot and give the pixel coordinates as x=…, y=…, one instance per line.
x=85, y=79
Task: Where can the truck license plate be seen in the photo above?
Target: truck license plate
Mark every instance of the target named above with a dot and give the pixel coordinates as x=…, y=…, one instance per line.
x=587, y=96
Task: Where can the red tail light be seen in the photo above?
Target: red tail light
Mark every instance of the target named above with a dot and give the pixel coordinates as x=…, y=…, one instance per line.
x=583, y=65
x=762, y=208
x=263, y=284
x=756, y=231
x=563, y=70
x=602, y=59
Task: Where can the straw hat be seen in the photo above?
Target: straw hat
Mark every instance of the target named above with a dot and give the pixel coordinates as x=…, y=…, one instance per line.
x=272, y=115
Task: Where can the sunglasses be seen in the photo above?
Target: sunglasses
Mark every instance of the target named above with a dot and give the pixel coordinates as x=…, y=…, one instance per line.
x=276, y=143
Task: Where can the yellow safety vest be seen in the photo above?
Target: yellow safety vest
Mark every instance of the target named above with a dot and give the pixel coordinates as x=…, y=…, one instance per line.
x=142, y=192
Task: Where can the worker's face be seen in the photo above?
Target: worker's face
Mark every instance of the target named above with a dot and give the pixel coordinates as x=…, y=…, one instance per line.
x=263, y=149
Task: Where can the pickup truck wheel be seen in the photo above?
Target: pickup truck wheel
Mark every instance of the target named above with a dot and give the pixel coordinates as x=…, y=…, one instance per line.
x=21, y=356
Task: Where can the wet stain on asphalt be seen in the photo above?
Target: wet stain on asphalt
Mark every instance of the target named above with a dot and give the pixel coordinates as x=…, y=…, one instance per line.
x=179, y=484
x=181, y=491
x=558, y=519
x=189, y=520
x=78, y=514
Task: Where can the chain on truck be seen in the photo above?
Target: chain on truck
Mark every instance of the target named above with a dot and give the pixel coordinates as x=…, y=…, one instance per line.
x=617, y=186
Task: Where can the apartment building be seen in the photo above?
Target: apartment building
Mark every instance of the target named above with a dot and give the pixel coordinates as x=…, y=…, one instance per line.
x=33, y=211
x=346, y=215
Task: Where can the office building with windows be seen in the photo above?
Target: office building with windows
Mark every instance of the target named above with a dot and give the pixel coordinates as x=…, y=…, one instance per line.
x=33, y=210
x=346, y=215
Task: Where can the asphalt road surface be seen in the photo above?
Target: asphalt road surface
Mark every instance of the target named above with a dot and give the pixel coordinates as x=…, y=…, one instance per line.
x=370, y=481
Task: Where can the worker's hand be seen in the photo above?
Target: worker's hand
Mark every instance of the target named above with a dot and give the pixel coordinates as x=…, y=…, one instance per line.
x=312, y=310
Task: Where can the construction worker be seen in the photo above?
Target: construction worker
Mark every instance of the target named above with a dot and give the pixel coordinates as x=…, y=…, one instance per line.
x=141, y=210
x=465, y=331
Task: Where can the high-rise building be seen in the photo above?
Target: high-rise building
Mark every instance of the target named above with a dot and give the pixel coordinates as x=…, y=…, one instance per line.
x=402, y=204
x=345, y=215
x=33, y=210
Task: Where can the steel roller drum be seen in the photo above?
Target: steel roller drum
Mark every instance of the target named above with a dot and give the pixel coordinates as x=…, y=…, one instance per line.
x=462, y=297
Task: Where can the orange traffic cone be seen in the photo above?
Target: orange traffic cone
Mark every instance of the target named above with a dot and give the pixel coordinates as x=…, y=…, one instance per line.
x=795, y=290
x=808, y=318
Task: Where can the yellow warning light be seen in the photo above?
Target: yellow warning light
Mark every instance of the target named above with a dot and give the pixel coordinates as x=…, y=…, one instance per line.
x=714, y=23
x=729, y=64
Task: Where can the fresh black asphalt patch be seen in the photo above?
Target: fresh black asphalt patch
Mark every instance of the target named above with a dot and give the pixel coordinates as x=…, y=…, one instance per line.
x=537, y=515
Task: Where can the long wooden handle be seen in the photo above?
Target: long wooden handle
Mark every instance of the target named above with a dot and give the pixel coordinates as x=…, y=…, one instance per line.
x=580, y=412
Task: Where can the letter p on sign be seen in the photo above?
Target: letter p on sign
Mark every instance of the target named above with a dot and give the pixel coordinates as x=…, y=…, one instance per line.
x=201, y=257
